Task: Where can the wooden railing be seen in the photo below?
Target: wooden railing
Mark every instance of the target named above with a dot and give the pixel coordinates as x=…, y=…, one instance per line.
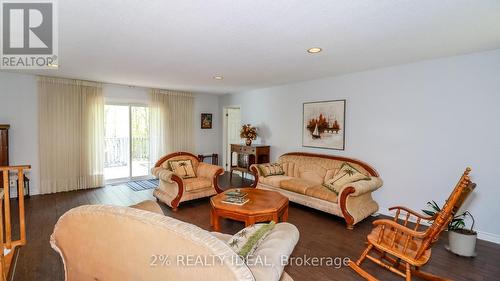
x=9, y=246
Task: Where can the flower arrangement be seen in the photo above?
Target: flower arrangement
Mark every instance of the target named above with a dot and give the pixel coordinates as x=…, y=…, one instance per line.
x=249, y=133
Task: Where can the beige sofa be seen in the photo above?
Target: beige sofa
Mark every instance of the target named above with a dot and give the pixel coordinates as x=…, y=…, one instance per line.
x=173, y=189
x=303, y=181
x=100, y=242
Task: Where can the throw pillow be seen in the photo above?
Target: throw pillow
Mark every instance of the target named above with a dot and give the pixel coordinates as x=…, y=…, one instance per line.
x=274, y=169
x=247, y=240
x=182, y=168
x=347, y=174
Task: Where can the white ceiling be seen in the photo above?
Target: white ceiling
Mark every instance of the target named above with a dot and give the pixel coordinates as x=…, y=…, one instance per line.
x=260, y=43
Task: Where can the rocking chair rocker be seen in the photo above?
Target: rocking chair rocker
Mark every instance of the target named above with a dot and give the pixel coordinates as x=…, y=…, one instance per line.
x=403, y=250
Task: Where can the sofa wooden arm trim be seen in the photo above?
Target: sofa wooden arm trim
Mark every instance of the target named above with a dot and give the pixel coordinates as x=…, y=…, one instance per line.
x=256, y=174
x=349, y=219
x=180, y=186
x=168, y=156
x=215, y=180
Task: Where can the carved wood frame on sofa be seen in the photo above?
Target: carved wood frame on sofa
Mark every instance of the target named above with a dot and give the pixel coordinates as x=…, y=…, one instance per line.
x=168, y=177
x=346, y=195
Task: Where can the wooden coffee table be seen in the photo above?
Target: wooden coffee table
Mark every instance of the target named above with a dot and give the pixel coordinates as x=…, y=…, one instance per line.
x=264, y=205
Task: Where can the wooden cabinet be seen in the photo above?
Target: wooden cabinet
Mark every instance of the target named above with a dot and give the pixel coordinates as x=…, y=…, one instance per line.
x=248, y=155
x=4, y=148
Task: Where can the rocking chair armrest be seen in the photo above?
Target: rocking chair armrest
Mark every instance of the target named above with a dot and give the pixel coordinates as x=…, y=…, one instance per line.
x=414, y=213
x=402, y=228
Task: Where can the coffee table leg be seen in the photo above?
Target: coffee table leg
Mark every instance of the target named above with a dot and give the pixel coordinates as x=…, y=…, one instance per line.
x=214, y=220
x=276, y=217
x=249, y=221
x=284, y=216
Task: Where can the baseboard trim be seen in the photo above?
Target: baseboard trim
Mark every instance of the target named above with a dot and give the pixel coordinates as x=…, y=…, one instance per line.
x=481, y=235
x=490, y=237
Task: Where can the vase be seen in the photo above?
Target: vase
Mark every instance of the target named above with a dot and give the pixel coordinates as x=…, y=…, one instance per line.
x=462, y=243
x=248, y=142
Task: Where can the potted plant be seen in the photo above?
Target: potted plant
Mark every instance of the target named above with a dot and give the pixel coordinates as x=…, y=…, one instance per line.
x=249, y=133
x=462, y=241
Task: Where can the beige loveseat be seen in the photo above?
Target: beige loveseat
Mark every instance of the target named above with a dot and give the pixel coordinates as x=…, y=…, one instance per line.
x=302, y=182
x=99, y=242
x=173, y=189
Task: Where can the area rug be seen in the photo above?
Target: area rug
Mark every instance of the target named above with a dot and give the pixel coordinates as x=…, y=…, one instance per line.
x=142, y=184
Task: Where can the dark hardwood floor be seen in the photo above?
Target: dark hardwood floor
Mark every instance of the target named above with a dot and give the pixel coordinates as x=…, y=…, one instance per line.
x=321, y=235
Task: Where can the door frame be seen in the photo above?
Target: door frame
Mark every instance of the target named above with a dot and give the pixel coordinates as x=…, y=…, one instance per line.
x=225, y=144
x=130, y=177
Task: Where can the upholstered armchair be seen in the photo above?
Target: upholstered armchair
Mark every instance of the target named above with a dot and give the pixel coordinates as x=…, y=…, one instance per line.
x=174, y=188
x=100, y=242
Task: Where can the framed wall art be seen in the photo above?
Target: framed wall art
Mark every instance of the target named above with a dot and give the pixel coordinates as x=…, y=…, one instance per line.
x=324, y=124
x=206, y=120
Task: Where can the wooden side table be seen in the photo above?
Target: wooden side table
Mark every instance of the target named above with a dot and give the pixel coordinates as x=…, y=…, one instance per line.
x=214, y=157
x=248, y=155
x=264, y=206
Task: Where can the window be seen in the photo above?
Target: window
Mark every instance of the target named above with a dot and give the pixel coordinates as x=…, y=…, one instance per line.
x=126, y=142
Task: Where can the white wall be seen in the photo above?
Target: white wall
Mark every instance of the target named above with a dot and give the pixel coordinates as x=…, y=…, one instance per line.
x=419, y=125
x=207, y=140
x=19, y=108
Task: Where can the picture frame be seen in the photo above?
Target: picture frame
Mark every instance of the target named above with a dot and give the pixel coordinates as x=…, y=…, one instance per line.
x=323, y=124
x=206, y=120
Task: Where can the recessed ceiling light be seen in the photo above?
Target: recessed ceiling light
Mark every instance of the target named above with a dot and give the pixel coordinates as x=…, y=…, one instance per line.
x=314, y=50
x=218, y=77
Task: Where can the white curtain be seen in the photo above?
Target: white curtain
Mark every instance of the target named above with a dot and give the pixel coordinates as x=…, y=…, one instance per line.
x=171, y=123
x=71, y=134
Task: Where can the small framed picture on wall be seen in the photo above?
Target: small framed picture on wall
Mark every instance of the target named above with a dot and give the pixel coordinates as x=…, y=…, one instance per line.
x=324, y=124
x=206, y=120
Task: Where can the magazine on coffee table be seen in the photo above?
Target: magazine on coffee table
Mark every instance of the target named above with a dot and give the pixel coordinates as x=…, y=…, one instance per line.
x=235, y=200
x=236, y=193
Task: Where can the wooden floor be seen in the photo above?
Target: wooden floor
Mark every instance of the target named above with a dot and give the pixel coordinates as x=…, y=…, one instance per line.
x=321, y=235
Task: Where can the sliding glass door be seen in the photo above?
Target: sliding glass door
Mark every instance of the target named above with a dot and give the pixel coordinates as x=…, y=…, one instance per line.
x=126, y=142
x=140, y=140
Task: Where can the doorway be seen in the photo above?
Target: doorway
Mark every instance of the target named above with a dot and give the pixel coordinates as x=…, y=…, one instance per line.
x=232, y=126
x=126, y=142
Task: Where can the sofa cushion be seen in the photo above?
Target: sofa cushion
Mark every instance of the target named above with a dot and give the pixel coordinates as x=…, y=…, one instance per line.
x=278, y=245
x=182, y=168
x=347, y=174
x=323, y=193
x=194, y=161
x=314, y=175
x=148, y=205
x=311, y=162
x=246, y=241
x=196, y=183
x=297, y=185
x=273, y=169
x=221, y=236
x=274, y=180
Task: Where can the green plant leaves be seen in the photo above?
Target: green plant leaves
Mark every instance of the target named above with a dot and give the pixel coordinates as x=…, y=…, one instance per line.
x=458, y=221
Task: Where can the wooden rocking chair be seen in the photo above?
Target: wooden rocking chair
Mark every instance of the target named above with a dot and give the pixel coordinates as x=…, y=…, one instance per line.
x=403, y=250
